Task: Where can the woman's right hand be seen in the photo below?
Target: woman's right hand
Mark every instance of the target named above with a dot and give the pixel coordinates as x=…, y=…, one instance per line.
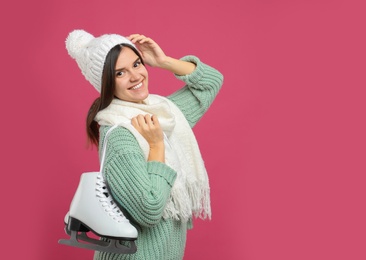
x=150, y=51
x=149, y=127
x=154, y=56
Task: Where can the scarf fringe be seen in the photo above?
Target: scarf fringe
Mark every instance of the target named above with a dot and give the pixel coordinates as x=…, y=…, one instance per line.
x=185, y=203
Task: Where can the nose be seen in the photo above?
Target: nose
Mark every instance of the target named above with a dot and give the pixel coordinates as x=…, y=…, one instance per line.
x=134, y=76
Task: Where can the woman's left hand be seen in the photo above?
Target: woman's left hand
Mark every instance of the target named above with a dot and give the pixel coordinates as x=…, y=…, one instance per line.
x=150, y=51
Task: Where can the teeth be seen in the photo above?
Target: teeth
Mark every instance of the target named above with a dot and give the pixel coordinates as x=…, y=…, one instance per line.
x=137, y=86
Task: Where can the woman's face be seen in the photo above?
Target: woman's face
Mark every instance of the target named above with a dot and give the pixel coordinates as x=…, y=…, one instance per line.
x=131, y=77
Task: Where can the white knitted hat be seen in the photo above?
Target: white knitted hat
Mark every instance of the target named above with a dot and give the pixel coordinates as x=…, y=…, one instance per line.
x=90, y=53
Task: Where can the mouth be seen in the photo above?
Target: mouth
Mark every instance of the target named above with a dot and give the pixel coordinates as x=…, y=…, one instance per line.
x=136, y=87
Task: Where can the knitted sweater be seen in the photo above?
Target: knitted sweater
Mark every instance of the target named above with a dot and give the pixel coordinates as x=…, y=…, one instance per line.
x=143, y=188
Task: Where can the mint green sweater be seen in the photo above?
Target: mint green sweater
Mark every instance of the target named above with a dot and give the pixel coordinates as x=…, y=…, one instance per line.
x=143, y=188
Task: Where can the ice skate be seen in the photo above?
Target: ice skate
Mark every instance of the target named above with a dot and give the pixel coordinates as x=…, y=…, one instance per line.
x=93, y=209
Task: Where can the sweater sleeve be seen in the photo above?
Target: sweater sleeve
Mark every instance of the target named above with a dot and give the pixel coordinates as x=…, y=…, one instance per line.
x=141, y=188
x=201, y=88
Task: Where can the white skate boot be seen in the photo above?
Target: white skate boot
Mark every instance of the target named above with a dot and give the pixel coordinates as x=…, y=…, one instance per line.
x=93, y=209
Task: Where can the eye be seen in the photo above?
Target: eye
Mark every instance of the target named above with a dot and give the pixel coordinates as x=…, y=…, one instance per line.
x=137, y=64
x=119, y=73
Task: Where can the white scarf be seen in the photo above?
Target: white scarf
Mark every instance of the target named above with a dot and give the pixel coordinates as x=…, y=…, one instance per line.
x=190, y=194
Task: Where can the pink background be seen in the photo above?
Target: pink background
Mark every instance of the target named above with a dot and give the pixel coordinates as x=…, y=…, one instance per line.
x=284, y=143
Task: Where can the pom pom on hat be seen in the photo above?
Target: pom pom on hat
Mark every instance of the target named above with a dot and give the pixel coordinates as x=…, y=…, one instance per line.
x=76, y=41
x=90, y=53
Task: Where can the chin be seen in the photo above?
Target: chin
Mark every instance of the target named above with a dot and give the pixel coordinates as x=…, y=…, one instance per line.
x=145, y=97
x=140, y=100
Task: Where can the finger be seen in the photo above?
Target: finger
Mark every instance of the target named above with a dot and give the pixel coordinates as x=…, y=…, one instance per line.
x=141, y=120
x=147, y=117
x=135, y=122
x=145, y=40
x=142, y=39
x=137, y=38
x=152, y=121
x=132, y=37
x=155, y=120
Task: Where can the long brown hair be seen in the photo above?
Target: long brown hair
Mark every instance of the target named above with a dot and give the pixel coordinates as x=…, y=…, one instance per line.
x=107, y=91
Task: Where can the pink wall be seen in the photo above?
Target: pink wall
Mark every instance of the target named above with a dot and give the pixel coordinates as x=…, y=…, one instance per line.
x=284, y=142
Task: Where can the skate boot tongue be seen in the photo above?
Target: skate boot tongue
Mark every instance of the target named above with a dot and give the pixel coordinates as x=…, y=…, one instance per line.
x=107, y=201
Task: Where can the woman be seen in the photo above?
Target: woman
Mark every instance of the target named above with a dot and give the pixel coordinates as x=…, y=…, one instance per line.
x=153, y=166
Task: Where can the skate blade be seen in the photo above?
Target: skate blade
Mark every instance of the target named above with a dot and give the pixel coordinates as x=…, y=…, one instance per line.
x=111, y=246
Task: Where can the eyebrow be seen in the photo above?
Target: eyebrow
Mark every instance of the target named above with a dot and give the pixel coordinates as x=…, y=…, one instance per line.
x=138, y=58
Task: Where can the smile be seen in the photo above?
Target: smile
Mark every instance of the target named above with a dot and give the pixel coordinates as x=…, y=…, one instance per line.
x=137, y=86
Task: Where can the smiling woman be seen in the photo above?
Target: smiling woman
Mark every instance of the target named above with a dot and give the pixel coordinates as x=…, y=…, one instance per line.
x=153, y=168
x=131, y=77
x=115, y=80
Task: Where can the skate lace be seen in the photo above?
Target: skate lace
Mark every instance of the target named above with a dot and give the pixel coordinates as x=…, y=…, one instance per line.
x=107, y=201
